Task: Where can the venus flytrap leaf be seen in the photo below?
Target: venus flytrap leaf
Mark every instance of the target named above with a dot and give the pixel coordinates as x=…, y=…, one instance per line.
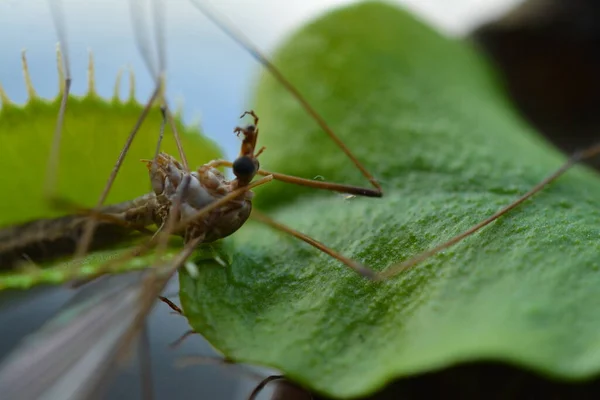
x=94, y=131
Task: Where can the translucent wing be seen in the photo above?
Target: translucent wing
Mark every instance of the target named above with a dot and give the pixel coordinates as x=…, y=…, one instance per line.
x=72, y=355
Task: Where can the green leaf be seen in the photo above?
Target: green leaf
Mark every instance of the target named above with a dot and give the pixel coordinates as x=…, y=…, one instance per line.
x=95, y=130
x=427, y=115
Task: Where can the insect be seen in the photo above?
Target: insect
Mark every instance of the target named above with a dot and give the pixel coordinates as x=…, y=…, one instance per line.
x=179, y=196
x=176, y=192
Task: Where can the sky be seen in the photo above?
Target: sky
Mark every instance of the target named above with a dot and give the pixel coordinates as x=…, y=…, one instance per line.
x=208, y=74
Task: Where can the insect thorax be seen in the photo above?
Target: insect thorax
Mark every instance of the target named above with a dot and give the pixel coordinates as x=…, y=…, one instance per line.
x=206, y=185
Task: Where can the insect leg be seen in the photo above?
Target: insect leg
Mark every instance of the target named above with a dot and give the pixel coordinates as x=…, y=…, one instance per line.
x=284, y=389
x=64, y=69
x=396, y=269
x=223, y=200
x=89, y=229
x=336, y=187
x=156, y=280
x=182, y=338
x=158, y=78
x=175, y=207
x=142, y=248
x=141, y=36
x=262, y=384
x=144, y=47
x=131, y=217
x=145, y=361
x=243, y=41
x=172, y=305
x=291, y=391
x=177, y=310
x=576, y=158
x=352, y=264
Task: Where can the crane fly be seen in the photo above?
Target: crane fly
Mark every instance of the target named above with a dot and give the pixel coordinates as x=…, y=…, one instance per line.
x=200, y=205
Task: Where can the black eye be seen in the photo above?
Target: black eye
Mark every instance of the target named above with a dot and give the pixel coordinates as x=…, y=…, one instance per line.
x=243, y=166
x=251, y=128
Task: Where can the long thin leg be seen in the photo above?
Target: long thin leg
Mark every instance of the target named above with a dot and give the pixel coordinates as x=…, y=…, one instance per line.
x=64, y=65
x=171, y=305
x=354, y=265
x=182, y=338
x=154, y=285
x=241, y=39
x=142, y=36
x=237, y=36
x=158, y=75
x=145, y=360
x=177, y=310
x=188, y=361
x=89, y=229
x=173, y=126
x=336, y=187
x=259, y=388
x=143, y=44
x=395, y=269
x=164, y=234
x=168, y=226
x=161, y=135
x=156, y=281
x=61, y=203
x=223, y=200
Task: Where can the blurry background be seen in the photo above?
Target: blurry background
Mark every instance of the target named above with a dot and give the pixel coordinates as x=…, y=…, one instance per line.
x=209, y=74
x=212, y=78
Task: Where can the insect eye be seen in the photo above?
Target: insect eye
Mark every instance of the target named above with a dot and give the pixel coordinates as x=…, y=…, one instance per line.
x=243, y=167
x=251, y=128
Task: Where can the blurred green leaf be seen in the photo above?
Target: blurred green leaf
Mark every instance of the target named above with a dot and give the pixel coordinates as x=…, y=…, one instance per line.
x=94, y=132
